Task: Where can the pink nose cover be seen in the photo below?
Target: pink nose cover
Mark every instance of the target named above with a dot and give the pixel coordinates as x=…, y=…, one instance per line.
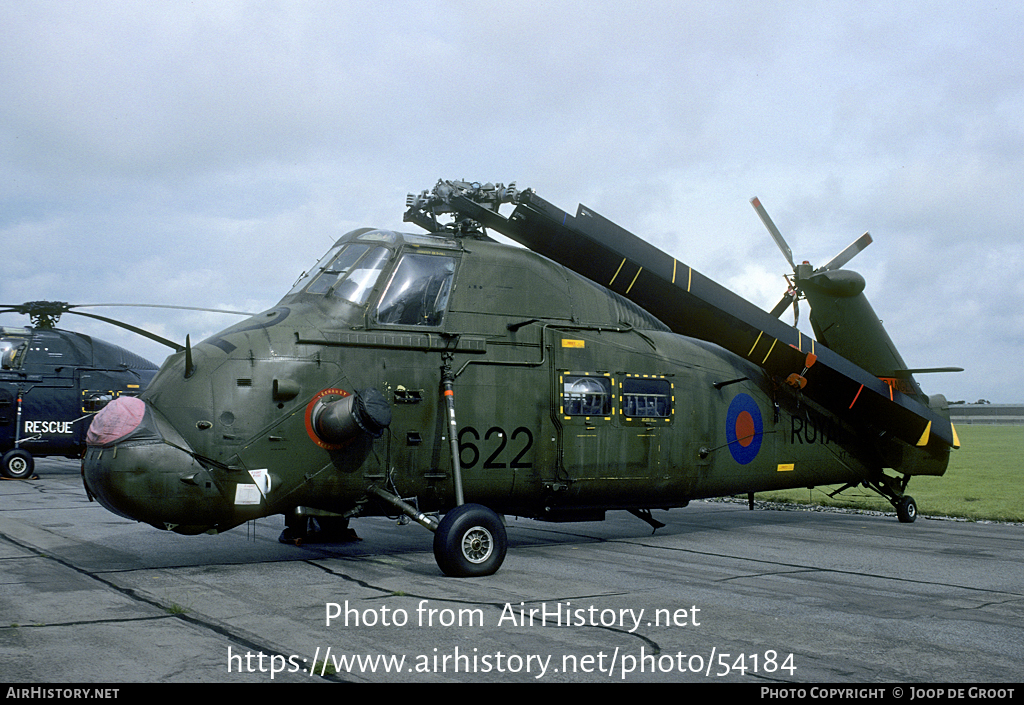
x=117, y=419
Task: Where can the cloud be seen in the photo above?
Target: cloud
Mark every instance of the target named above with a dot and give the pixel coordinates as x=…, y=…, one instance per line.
x=207, y=153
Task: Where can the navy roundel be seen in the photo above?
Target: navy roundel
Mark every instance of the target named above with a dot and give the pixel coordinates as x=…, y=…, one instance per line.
x=744, y=428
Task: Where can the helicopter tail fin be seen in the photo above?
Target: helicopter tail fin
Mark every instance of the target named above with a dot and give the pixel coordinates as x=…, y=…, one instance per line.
x=844, y=321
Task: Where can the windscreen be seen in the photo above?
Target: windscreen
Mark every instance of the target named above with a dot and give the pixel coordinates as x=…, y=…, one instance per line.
x=348, y=271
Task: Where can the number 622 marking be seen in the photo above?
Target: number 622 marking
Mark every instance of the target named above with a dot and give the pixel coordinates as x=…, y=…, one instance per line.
x=494, y=439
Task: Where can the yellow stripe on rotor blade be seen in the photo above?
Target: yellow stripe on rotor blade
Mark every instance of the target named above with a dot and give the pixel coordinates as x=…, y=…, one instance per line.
x=617, y=271
x=634, y=280
x=755, y=344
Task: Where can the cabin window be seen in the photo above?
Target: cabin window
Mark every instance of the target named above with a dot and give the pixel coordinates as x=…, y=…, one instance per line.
x=646, y=398
x=94, y=401
x=584, y=395
x=323, y=264
x=417, y=294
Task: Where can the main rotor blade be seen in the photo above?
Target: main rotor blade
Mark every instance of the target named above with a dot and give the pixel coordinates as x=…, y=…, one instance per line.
x=846, y=255
x=776, y=235
x=127, y=326
x=179, y=308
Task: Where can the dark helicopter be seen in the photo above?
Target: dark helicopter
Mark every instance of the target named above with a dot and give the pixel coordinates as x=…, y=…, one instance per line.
x=53, y=381
x=452, y=379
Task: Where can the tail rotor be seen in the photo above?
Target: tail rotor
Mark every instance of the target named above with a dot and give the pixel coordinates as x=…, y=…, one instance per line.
x=804, y=272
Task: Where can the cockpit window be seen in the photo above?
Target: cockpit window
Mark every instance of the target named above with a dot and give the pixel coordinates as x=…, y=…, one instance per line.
x=336, y=268
x=417, y=294
x=385, y=236
x=306, y=277
x=356, y=287
x=12, y=352
x=348, y=271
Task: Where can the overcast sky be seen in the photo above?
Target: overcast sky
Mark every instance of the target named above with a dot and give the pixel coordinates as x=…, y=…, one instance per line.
x=206, y=153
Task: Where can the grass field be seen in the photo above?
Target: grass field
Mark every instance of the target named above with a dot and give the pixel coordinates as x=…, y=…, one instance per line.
x=985, y=480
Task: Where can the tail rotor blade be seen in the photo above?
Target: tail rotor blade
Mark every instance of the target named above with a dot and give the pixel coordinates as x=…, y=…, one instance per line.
x=785, y=303
x=774, y=231
x=847, y=254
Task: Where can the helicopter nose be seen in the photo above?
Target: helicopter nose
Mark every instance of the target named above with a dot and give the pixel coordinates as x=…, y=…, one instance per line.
x=137, y=466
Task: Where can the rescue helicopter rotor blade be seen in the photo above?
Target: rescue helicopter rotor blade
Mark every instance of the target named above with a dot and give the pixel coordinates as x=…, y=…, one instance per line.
x=177, y=347
x=179, y=308
x=134, y=329
x=31, y=307
x=46, y=314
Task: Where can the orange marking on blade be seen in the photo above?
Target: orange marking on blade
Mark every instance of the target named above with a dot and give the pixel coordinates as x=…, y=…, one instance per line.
x=855, y=396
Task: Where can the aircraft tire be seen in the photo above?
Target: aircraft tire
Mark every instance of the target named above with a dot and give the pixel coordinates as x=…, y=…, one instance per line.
x=470, y=542
x=906, y=509
x=17, y=464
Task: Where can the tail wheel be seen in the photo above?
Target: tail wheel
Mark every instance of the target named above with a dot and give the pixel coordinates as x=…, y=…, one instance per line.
x=906, y=509
x=17, y=465
x=470, y=541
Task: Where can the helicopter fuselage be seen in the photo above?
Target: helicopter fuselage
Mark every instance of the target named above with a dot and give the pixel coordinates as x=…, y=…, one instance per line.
x=568, y=401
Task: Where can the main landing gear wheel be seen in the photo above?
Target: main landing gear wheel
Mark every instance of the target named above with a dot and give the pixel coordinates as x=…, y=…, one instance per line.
x=906, y=509
x=470, y=542
x=17, y=465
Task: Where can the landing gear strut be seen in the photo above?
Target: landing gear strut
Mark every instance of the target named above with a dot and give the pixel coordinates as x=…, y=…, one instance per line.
x=894, y=490
x=470, y=541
